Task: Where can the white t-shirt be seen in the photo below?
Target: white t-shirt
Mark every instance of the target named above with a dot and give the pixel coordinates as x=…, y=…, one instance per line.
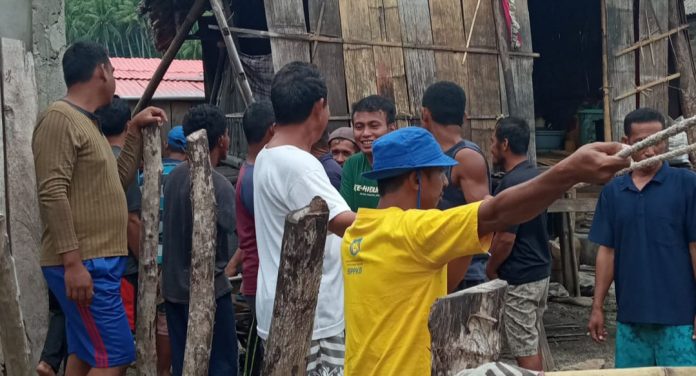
x=287, y=178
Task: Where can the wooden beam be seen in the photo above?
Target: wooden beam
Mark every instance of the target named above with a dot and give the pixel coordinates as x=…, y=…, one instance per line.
x=504, y=57
x=653, y=60
x=19, y=111
x=605, y=74
x=448, y=29
x=466, y=328
x=13, y=335
x=286, y=17
x=199, y=332
x=196, y=10
x=647, y=86
x=147, y=260
x=297, y=292
x=684, y=62
x=652, y=39
x=359, y=60
x=622, y=69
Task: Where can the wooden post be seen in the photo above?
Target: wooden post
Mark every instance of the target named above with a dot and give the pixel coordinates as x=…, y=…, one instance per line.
x=199, y=333
x=15, y=345
x=503, y=48
x=196, y=10
x=466, y=328
x=568, y=252
x=297, y=290
x=684, y=63
x=149, y=240
x=286, y=17
x=605, y=74
x=241, y=81
x=621, y=69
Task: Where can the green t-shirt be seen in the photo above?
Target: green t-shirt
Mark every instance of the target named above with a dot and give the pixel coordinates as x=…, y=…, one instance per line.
x=358, y=191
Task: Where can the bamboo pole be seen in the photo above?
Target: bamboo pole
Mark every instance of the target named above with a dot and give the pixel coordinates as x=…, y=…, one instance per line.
x=504, y=56
x=299, y=277
x=241, y=81
x=181, y=34
x=685, y=65
x=149, y=240
x=651, y=40
x=199, y=332
x=605, y=75
x=647, y=86
x=13, y=334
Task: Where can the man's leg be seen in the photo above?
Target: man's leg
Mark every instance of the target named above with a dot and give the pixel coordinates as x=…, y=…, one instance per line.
x=523, y=307
x=224, y=353
x=177, y=321
x=674, y=347
x=164, y=350
x=254, y=355
x=327, y=356
x=634, y=345
x=55, y=350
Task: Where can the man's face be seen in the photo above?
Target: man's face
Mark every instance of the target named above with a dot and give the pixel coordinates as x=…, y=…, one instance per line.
x=342, y=149
x=639, y=132
x=497, y=151
x=321, y=113
x=433, y=181
x=369, y=126
x=109, y=80
x=224, y=145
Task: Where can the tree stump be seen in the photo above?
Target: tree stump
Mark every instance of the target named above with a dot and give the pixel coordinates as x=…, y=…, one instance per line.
x=297, y=291
x=466, y=328
x=15, y=345
x=149, y=239
x=199, y=332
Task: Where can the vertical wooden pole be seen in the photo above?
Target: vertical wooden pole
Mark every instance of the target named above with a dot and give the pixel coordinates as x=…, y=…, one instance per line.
x=605, y=74
x=503, y=49
x=297, y=292
x=199, y=333
x=621, y=69
x=15, y=345
x=149, y=240
x=684, y=63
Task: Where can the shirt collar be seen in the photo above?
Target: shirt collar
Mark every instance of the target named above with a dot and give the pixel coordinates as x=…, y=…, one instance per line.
x=520, y=166
x=626, y=182
x=90, y=115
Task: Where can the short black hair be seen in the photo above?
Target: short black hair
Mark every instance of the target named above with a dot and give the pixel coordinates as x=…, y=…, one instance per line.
x=446, y=101
x=114, y=117
x=376, y=103
x=295, y=89
x=642, y=115
x=80, y=60
x=516, y=131
x=392, y=184
x=258, y=118
x=208, y=117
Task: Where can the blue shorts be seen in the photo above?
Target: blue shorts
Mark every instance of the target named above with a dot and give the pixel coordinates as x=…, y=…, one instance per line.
x=648, y=345
x=99, y=334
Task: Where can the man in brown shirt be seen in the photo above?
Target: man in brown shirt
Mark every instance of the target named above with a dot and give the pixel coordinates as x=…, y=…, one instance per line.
x=84, y=212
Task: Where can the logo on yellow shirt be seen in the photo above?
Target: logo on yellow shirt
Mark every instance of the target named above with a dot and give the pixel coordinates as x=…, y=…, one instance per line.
x=355, y=247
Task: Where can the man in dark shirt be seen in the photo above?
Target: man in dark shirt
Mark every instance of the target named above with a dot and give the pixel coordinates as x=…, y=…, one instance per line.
x=322, y=152
x=645, y=225
x=521, y=254
x=176, y=261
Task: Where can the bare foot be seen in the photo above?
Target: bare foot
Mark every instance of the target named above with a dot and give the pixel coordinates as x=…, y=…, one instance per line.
x=43, y=369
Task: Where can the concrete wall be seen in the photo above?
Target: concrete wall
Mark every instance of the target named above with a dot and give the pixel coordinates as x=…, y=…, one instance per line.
x=15, y=20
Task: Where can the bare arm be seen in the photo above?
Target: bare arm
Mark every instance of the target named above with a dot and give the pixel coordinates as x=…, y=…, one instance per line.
x=341, y=222
x=604, y=276
x=233, y=264
x=133, y=232
x=692, y=251
x=501, y=247
x=593, y=163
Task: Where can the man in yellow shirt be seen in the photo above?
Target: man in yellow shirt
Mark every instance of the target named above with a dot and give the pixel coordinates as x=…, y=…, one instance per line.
x=394, y=257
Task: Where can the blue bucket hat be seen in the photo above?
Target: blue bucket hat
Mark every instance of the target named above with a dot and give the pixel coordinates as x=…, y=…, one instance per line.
x=404, y=150
x=176, y=139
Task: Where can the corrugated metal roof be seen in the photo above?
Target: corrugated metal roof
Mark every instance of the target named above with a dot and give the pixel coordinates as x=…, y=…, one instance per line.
x=690, y=6
x=183, y=80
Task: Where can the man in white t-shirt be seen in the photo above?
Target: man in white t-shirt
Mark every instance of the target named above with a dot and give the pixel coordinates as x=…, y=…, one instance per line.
x=286, y=178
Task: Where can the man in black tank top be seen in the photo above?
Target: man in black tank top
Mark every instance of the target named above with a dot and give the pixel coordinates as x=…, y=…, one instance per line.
x=469, y=181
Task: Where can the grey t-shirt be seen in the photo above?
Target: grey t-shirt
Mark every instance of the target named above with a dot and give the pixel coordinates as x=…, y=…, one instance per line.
x=178, y=230
x=134, y=199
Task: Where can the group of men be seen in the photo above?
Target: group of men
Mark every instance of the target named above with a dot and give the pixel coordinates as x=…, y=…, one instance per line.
x=408, y=214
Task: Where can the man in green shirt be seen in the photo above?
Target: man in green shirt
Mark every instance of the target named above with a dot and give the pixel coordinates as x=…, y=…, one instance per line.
x=373, y=117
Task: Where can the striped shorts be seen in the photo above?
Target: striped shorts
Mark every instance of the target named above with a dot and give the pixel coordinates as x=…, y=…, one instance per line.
x=326, y=356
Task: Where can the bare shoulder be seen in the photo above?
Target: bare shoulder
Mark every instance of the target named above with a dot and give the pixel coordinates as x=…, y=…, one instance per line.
x=470, y=161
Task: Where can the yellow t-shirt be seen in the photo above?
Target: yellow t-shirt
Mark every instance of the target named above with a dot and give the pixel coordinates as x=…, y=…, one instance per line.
x=393, y=268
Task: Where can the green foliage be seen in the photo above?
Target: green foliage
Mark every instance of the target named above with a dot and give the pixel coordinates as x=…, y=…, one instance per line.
x=117, y=25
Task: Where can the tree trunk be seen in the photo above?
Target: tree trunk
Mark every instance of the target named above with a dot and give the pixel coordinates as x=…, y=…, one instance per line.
x=16, y=354
x=149, y=240
x=297, y=290
x=466, y=328
x=199, y=333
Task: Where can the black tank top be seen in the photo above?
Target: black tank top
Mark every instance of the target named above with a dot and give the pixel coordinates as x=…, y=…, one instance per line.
x=452, y=195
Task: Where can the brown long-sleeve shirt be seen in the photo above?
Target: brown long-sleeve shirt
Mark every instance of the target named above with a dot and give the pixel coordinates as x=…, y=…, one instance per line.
x=80, y=185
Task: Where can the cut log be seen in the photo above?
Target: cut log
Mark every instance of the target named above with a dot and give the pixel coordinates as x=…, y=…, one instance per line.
x=297, y=291
x=199, y=332
x=466, y=328
x=13, y=335
x=149, y=240
x=19, y=111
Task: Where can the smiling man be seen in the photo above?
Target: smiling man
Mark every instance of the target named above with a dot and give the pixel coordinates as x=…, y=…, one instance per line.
x=373, y=117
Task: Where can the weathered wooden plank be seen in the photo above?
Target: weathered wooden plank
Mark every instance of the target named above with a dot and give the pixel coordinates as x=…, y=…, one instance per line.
x=652, y=21
x=295, y=304
x=420, y=64
x=329, y=57
x=621, y=69
x=199, y=331
x=466, y=328
x=13, y=335
x=286, y=17
x=684, y=62
x=358, y=60
x=20, y=109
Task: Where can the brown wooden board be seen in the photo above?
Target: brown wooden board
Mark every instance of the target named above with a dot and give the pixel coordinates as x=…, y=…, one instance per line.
x=420, y=64
x=621, y=69
x=20, y=108
x=324, y=19
x=358, y=60
x=286, y=17
x=652, y=20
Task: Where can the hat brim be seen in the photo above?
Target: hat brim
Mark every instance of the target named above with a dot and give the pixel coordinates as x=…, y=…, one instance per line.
x=385, y=173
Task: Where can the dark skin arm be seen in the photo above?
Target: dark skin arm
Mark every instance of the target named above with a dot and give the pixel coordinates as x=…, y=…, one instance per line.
x=133, y=233
x=78, y=281
x=233, y=264
x=341, y=222
x=471, y=176
x=604, y=276
x=501, y=247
